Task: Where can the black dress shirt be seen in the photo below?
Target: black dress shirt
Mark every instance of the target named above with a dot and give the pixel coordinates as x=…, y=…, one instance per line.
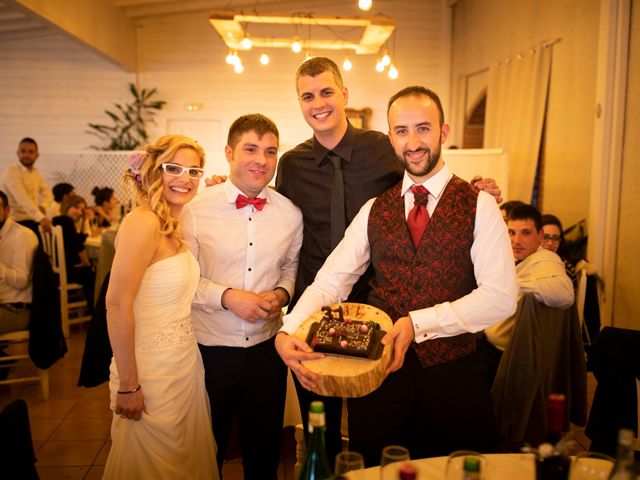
x=369, y=167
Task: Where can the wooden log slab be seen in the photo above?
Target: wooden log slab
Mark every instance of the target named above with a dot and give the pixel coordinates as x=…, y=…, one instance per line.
x=342, y=376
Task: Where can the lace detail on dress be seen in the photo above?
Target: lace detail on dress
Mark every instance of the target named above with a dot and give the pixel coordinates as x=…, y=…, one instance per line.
x=179, y=332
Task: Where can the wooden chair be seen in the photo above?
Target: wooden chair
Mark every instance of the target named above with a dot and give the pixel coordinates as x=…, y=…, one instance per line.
x=72, y=311
x=19, y=341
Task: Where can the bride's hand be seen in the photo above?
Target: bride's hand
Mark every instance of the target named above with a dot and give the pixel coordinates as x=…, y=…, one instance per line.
x=130, y=405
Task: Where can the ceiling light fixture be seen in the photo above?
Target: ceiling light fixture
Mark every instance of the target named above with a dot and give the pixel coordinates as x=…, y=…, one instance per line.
x=365, y=5
x=264, y=59
x=393, y=72
x=347, y=65
x=376, y=31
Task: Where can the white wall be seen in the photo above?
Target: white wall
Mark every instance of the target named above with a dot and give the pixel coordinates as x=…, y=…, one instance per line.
x=50, y=87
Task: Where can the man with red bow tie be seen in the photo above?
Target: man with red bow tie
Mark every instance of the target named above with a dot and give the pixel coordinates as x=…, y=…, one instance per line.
x=247, y=238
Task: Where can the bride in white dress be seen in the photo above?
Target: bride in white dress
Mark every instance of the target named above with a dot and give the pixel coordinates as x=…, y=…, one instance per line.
x=161, y=424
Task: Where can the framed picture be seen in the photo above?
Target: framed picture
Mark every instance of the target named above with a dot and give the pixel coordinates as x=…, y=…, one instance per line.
x=359, y=118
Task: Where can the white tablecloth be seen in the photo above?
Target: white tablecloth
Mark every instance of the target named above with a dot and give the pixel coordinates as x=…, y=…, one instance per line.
x=500, y=466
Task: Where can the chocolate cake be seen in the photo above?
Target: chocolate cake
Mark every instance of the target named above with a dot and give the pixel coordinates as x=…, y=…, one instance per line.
x=340, y=334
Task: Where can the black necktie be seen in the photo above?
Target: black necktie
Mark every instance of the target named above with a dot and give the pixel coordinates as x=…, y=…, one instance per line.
x=338, y=222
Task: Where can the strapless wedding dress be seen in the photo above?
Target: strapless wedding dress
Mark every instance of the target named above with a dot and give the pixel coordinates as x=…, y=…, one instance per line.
x=173, y=439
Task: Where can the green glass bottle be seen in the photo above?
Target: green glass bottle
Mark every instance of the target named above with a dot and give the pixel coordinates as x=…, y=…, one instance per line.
x=471, y=468
x=316, y=465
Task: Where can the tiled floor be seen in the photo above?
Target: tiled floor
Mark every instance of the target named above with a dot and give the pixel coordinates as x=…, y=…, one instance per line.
x=71, y=429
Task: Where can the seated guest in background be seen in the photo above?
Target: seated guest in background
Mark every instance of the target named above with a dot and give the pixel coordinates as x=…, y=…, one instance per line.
x=17, y=247
x=60, y=192
x=553, y=239
x=28, y=192
x=79, y=268
x=438, y=287
x=539, y=271
x=506, y=207
x=106, y=206
x=246, y=237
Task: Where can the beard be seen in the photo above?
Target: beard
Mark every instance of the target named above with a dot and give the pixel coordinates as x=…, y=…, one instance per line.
x=422, y=170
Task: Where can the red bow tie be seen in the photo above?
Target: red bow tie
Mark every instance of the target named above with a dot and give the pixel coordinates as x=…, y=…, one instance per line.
x=242, y=201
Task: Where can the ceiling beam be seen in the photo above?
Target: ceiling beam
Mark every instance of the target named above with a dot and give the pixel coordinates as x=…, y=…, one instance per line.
x=96, y=24
x=376, y=31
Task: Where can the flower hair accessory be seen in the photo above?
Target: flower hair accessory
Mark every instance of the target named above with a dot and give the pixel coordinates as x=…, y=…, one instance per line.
x=135, y=161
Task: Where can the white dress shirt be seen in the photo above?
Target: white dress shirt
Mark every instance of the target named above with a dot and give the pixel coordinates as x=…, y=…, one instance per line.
x=27, y=191
x=17, y=246
x=492, y=300
x=542, y=273
x=239, y=248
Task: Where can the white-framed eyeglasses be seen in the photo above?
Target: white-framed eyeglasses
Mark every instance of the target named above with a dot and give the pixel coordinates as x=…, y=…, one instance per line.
x=176, y=170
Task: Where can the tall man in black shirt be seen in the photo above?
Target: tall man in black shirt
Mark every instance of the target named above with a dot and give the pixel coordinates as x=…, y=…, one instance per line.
x=305, y=175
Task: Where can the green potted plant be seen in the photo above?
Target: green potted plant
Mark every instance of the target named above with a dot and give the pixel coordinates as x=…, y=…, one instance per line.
x=128, y=130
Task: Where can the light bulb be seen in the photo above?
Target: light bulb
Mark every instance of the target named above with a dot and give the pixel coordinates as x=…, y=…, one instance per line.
x=296, y=46
x=347, y=65
x=393, y=72
x=264, y=59
x=231, y=58
x=364, y=4
x=379, y=66
x=246, y=43
x=386, y=59
x=238, y=68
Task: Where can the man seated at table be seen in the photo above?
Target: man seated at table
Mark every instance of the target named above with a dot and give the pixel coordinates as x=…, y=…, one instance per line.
x=17, y=247
x=442, y=271
x=539, y=271
x=61, y=191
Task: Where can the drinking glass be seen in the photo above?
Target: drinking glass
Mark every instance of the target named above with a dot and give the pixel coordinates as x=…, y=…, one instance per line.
x=348, y=461
x=392, y=455
x=455, y=464
x=591, y=466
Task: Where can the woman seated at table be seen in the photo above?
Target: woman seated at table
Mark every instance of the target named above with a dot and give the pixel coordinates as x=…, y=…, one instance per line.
x=553, y=240
x=79, y=268
x=106, y=206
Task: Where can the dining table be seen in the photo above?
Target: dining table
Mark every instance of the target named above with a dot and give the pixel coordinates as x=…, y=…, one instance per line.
x=498, y=466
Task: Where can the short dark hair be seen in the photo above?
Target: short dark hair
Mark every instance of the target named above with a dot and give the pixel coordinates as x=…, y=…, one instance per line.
x=510, y=205
x=317, y=65
x=60, y=190
x=102, y=195
x=28, y=140
x=526, y=212
x=252, y=122
x=417, y=90
x=5, y=199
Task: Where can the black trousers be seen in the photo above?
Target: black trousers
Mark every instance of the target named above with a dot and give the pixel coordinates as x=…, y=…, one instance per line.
x=333, y=418
x=249, y=384
x=431, y=411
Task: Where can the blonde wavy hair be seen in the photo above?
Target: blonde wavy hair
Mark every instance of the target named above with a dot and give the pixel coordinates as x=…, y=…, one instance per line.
x=145, y=175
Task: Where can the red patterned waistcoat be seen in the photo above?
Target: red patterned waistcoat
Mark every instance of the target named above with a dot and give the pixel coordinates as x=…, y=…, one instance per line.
x=439, y=270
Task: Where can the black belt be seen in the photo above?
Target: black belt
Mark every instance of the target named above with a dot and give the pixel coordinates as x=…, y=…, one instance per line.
x=19, y=305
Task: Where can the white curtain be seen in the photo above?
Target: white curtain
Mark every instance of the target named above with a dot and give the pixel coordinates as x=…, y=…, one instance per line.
x=516, y=103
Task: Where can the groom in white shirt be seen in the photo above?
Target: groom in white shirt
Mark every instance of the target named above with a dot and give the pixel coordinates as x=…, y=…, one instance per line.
x=247, y=238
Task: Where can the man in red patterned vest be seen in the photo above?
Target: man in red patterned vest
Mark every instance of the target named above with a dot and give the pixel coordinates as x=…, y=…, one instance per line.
x=443, y=271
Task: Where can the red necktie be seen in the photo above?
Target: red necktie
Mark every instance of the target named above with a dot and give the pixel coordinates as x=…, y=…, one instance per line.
x=242, y=201
x=418, y=216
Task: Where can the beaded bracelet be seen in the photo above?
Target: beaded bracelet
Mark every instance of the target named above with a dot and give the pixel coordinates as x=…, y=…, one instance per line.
x=126, y=392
